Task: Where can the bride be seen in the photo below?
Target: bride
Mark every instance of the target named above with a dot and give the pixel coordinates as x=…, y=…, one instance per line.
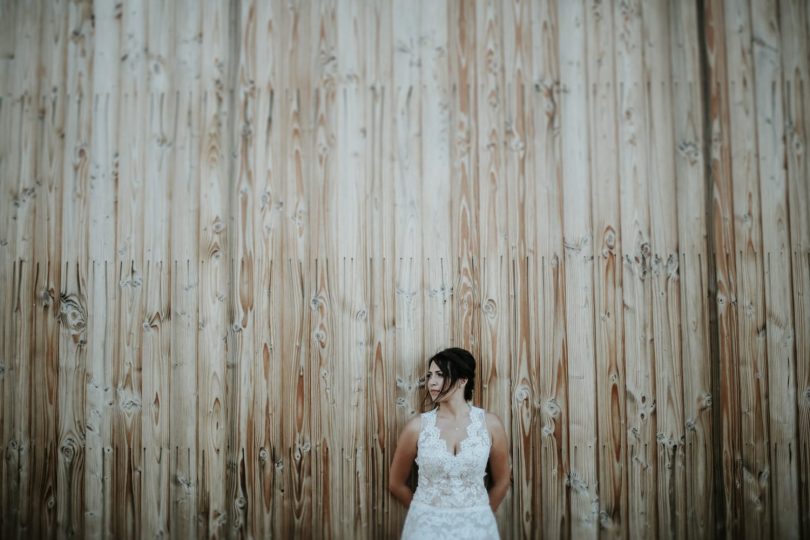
x=451, y=444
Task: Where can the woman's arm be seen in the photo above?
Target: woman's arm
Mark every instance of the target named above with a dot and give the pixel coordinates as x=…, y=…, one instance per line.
x=403, y=461
x=498, y=461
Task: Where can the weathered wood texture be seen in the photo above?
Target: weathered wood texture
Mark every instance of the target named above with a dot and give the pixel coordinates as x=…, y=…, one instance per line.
x=231, y=233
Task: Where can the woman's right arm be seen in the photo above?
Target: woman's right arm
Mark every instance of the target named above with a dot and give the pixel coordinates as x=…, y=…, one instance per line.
x=401, y=465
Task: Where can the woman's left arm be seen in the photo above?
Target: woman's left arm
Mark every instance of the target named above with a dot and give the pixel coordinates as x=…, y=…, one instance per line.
x=498, y=461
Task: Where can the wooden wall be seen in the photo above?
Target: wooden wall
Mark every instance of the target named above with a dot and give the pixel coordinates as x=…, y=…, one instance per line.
x=231, y=233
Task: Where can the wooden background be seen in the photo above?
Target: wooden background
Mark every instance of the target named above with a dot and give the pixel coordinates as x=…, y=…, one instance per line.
x=231, y=232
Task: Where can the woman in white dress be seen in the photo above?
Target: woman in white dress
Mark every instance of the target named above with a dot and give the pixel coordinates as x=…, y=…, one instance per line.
x=452, y=445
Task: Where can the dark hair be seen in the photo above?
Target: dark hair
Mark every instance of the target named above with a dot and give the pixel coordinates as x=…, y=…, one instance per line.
x=455, y=364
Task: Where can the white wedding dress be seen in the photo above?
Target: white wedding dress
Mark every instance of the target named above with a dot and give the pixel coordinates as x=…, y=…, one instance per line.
x=450, y=499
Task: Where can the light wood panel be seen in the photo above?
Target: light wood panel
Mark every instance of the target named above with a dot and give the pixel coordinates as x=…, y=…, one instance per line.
x=231, y=234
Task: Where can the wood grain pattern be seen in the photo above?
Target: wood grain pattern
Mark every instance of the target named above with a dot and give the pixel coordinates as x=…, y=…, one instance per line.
x=795, y=69
x=780, y=336
x=690, y=165
x=608, y=309
x=232, y=233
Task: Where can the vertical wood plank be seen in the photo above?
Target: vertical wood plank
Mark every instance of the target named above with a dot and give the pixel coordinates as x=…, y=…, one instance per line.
x=214, y=233
x=381, y=436
x=155, y=419
x=276, y=477
x=7, y=278
x=776, y=252
x=47, y=257
x=25, y=75
x=757, y=502
x=166, y=47
x=434, y=125
x=495, y=361
x=407, y=157
x=71, y=505
x=793, y=24
x=671, y=496
x=213, y=291
x=690, y=172
x=80, y=49
x=323, y=304
x=178, y=141
x=182, y=412
x=553, y=503
x=723, y=280
x=608, y=309
x=17, y=436
x=411, y=363
x=296, y=399
x=81, y=400
x=464, y=177
x=636, y=268
x=521, y=200
x=50, y=147
x=8, y=38
x=242, y=329
x=578, y=241
x=44, y=372
x=127, y=400
x=496, y=358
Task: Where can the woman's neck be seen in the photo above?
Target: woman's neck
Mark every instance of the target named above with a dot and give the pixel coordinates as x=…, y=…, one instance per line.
x=455, y=406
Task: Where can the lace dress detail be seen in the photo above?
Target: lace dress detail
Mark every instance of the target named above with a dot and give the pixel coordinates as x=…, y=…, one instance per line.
x=450, y=499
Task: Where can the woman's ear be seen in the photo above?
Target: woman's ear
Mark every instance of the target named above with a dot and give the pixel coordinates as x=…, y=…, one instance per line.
x=462, y=383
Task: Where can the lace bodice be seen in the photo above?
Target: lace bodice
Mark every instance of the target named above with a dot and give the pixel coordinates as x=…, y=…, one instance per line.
x=447, y=480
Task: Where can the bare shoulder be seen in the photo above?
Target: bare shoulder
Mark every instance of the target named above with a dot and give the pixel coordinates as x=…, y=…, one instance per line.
x=494, y=421
x=410, y=432
x=414, y=425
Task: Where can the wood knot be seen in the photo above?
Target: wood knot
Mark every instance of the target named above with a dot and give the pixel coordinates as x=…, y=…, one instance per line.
x=68, y=449
x=609, y=242
x=490, y=308
x=575, y=481
x=668, y=442
x=181, y=480
x=522, y=393
x=690, y=151
x=705, y=401
x=316, y=302
x=46, y=297
x=128, y=401
x=673, y=266
x=319, y=337
x=218, y=226
x=133, y=281
x=73, y=313
x=552, y=408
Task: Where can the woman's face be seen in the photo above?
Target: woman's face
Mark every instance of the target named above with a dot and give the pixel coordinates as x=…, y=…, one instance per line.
x=434, y=381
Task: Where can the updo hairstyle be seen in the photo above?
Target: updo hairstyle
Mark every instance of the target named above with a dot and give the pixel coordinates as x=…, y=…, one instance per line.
x=455, y=364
